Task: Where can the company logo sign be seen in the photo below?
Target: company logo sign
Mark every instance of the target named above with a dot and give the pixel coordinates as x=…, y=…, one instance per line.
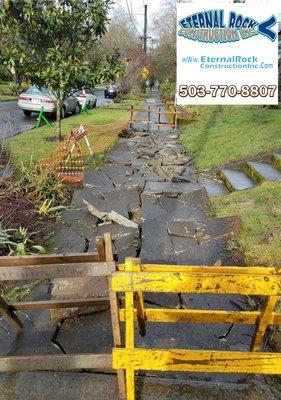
x=218, y=26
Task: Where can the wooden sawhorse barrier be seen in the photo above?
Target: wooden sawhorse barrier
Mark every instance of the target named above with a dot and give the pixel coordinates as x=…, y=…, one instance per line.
x=159, y=123
x=62, y=266
x=135, y=278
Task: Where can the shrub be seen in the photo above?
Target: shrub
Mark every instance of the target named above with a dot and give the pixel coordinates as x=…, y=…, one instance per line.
x=40, y=185
x=167, y=90
x=17, y=242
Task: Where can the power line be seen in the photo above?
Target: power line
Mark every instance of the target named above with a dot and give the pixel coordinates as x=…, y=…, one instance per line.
x=131, y=17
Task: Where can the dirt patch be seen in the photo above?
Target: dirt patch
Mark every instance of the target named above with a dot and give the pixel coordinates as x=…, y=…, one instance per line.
x=16, y=211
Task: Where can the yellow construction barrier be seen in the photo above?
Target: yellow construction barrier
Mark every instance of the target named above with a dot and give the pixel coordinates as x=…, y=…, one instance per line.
x=135, y=278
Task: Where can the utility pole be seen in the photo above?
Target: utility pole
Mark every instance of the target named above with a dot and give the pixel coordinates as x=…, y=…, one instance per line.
x=145, y=30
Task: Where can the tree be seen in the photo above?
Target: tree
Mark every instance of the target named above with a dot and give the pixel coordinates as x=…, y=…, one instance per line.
x=50, y=39
x=163, y=57
x=123, y=38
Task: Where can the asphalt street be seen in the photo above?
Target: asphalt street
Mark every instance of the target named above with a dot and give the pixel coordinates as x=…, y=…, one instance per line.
x=13, y=121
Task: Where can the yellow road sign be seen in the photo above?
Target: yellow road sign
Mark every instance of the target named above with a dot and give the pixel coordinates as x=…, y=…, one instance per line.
x=145, y=73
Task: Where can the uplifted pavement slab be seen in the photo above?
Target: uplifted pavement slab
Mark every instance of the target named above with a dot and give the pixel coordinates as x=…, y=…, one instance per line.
x=118, y=174
x=87, y=334
x=212, y=228
x=98, y=180
x=126, y=241
x=128, y=197
x=119, y=157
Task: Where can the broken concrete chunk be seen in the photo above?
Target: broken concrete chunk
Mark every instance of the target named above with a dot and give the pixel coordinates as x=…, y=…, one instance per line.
x=126, y=241
x=135, y=182
x=112, y=216
x=94, y=211
x=119, y=219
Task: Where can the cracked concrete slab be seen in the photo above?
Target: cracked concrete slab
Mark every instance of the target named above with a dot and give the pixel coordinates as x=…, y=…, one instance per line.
x=170, y=187
x=97, y=178
x=125, y=240
x=68, y=240
x=223, y=229
x=88, y=334
x=119, y=157
x=80, y=221
x=156, y=242
x=129, y=198
x=118, y=174
x=35, y=338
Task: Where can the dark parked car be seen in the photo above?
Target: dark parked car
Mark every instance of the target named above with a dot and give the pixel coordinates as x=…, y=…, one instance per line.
x=110, y=91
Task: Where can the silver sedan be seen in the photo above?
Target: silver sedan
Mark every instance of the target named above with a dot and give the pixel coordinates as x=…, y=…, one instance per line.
x=34, y=98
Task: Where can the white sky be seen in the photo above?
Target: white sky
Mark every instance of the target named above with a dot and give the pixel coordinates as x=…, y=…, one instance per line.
x=137, y=7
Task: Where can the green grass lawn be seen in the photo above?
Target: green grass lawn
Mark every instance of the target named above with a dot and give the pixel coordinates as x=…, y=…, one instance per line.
x=5, y=92
x=260, y=212
x=32, y=145
x=223, y=134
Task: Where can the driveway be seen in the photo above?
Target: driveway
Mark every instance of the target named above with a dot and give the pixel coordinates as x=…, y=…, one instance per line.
x=13, y=121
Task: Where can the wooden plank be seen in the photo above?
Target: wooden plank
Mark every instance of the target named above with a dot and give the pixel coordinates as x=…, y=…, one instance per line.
x=100, y=249
x=143, y=122
x=265, y=319
x=131, y=116
x=167, y=315
x=37, y=272
x=137, y=110
x=159, y=118
x=206, y=269
x=6, y=310
x=165, y=123
x=96, y=362
x=197, y=361
x=47, y=259
x=54, y=304
x=169, y=113
x=114, y=309
x=177, y=282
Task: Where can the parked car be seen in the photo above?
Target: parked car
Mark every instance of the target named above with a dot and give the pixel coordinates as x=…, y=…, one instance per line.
x=34, y=98
x=87, y=96
x=110, y=91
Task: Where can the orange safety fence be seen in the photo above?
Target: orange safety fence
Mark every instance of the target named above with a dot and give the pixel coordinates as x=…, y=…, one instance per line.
x=69, y=159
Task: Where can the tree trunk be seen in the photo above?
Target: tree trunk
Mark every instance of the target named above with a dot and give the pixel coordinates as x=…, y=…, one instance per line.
x=58, y=120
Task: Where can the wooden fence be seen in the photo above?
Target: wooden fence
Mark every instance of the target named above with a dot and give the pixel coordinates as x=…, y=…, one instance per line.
x=136, y=278
x=158, y=123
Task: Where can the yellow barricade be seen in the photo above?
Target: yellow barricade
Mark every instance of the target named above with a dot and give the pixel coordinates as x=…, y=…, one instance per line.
x=135, y=278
